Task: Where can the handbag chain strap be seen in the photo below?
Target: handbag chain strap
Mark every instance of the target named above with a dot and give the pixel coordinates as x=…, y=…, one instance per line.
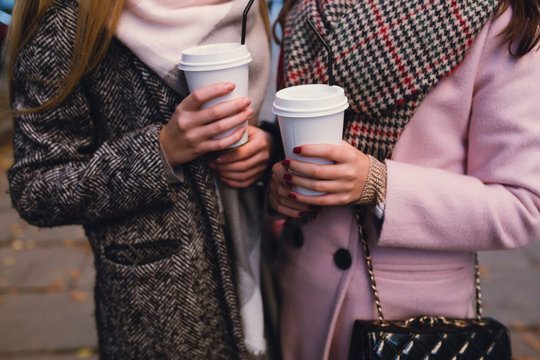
x=369, y=264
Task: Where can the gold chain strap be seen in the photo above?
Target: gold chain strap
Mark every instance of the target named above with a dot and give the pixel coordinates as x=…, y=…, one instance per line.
x=477, y=288
x=369, y=264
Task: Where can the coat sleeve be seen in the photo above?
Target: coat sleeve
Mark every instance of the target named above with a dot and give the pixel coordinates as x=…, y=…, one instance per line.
x=495, y=204
x=62, y=174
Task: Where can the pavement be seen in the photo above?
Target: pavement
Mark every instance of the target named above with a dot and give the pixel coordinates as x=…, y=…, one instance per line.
x=47, y=277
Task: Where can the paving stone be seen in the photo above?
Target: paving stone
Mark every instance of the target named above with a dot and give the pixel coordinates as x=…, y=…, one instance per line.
x=46, y=323
x=513, y=296
x=76, y=356
x=87, y=277
x=522, y=347
x=512, y=259
x=5, y=200
x=47, y=269
x=15, y=228
x=533, y=252
x=11, y=225
x=64, y=234
x=511, y=285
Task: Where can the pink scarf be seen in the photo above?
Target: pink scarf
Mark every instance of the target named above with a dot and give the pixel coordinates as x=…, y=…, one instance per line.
x=158, y=30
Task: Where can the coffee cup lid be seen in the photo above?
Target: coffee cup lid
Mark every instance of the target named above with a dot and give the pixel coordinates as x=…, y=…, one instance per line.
x=214, y=57
x=309, y=100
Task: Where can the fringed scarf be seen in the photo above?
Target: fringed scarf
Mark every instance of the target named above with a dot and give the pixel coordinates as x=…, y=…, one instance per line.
x=387, y=55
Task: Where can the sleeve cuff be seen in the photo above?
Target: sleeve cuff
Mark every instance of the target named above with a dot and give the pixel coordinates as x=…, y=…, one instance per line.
x=374, y=192
x=172, y=175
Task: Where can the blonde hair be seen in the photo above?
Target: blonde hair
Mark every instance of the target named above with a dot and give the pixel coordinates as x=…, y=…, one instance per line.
x=96, y=22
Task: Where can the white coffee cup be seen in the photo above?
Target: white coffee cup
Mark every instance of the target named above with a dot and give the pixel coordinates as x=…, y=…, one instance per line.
x=224, y=62
x=310, y=114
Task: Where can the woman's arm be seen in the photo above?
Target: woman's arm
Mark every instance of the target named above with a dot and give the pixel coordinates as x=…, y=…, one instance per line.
x=496, y=203
x=62, y=172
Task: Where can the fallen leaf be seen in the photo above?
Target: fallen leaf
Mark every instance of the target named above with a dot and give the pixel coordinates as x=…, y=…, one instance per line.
x=56, y=286
x=75, y=274
x=78, y=296
x=6, y=157
x=87, y=247
x=16, y=229
x=85, y=353
x=67, y=243
x=531, y=340
x=485, y=273
x=17, y=245
x=518, y=325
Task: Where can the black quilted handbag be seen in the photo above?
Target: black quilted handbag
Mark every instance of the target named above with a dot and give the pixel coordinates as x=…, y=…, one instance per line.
x=429, y=337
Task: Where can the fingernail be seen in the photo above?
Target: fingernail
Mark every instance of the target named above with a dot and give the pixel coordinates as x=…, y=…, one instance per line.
x=292, y=195
x=229, y=86
x=246, y=101
x=287, y=176
x=297, y=150
x=286, y=162
x=302, y=213
x=290, y=184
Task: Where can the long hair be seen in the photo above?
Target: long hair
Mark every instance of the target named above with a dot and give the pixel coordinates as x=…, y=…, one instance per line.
x=523, y=28
x=96, y=22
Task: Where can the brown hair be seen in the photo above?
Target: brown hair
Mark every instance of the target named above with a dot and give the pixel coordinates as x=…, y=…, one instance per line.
x=96, y=22
x=523, y=27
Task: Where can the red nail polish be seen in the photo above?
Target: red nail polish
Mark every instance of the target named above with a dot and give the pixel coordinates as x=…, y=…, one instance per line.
x=297, y=150
x=286, y=162
x=287, y=176
x=302, y=213
x=290, y=185
x=292, y=195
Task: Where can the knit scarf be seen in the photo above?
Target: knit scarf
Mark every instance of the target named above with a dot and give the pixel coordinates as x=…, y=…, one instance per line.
x=158, y=30
x=387, y=55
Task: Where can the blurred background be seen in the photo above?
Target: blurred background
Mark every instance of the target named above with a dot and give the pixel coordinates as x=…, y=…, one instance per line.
x=47, y=275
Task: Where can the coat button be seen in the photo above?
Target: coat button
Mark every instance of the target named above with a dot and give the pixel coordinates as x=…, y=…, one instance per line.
x=343, y=259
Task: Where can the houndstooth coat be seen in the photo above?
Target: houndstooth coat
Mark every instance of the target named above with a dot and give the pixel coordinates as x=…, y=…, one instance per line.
x=164, y=284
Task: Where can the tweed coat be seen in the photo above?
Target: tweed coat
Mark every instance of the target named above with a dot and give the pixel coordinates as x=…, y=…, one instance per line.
x=164, y=284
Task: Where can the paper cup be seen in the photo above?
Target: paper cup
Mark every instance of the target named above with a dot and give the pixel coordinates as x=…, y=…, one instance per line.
x=208, y=64
x=310, y=114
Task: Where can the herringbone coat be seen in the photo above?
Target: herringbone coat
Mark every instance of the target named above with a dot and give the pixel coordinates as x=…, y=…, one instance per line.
x=164, y=285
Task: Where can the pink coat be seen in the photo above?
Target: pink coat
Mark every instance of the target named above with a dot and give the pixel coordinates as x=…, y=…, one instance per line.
x=464, y=176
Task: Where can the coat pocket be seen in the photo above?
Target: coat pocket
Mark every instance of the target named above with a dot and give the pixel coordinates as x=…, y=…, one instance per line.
x=142, y=253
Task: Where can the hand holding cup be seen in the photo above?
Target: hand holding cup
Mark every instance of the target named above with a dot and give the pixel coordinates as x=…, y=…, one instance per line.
x=340, y=181
x=242, y=166
x=222, y=62
x=191, y=130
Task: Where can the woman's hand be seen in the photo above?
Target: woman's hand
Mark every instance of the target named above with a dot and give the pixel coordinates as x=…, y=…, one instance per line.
x=242, y=166
x=189, y=132
x=343, y=181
